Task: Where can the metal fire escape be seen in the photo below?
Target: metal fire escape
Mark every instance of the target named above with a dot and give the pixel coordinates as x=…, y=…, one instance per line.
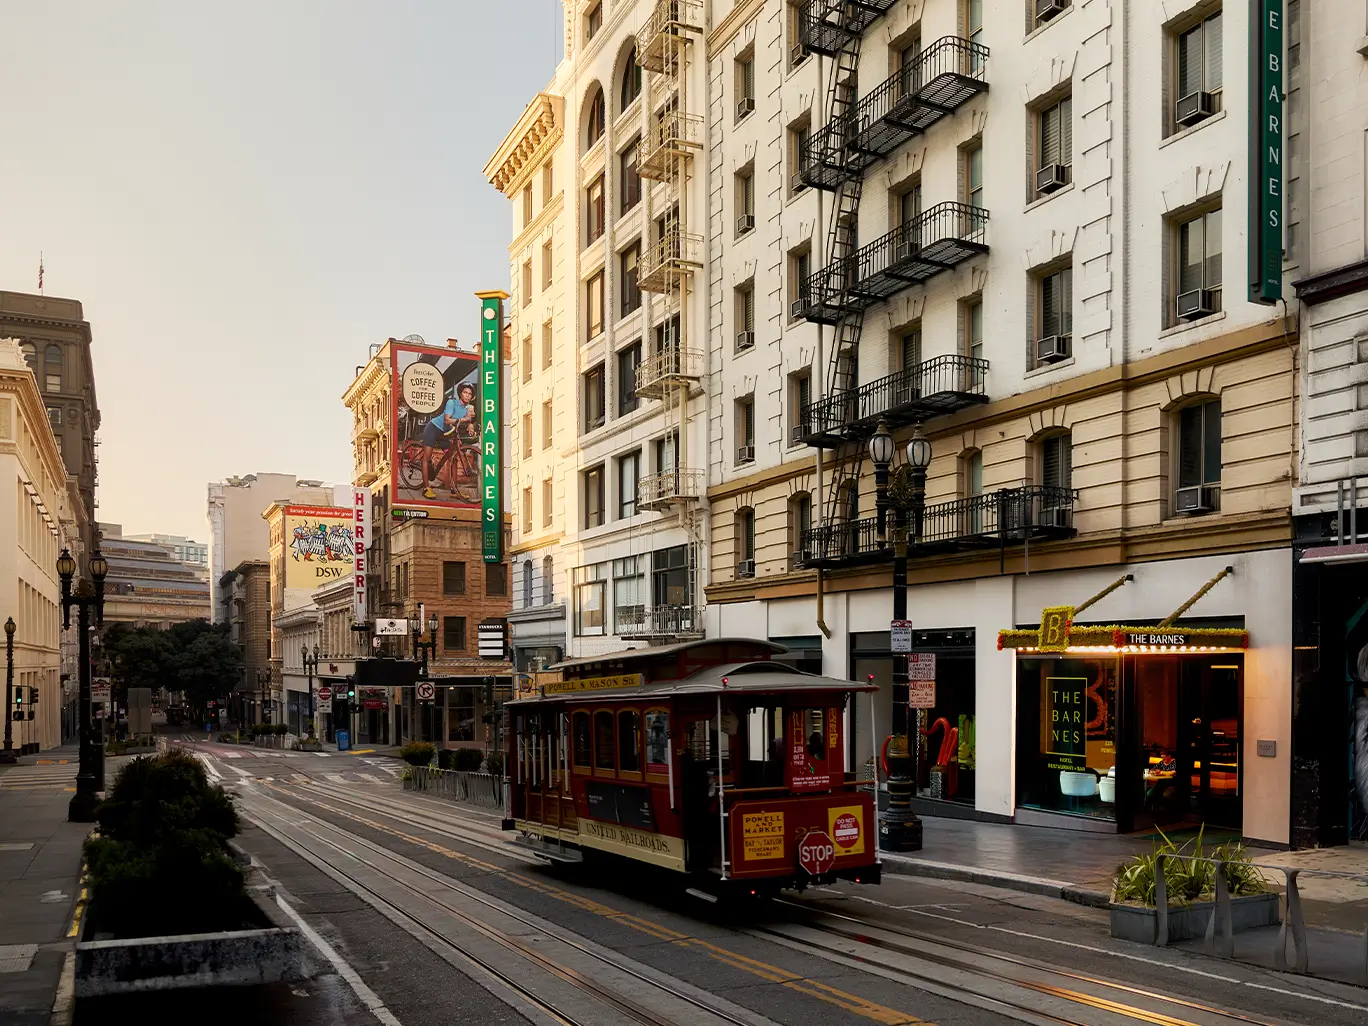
x=672, y=366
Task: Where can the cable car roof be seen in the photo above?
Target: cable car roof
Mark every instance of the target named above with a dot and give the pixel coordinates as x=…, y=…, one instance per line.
x=652, y=653
x=755, y=678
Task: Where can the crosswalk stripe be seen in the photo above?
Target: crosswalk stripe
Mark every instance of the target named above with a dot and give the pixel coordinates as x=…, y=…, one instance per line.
x=233, y=755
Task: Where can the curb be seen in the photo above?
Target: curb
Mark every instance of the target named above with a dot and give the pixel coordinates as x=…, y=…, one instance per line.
x=996, y=878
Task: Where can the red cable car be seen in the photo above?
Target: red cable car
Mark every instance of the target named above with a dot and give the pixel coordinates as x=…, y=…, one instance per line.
x=627, y=752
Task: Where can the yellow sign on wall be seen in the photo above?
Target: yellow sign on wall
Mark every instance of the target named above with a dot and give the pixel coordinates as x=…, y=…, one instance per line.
x=762, y=836
x=566, y=687
x=1054, y=628
x=319, y=546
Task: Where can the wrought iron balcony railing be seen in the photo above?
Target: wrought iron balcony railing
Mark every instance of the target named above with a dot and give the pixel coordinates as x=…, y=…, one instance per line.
x=669, y=488
x=665, y=622
x=662, y=371
x=1009, y=516
x=826, y=24
x=669, y=20
x=673, y=134
x=942, y=384
x=936, y=240
x=669, y=259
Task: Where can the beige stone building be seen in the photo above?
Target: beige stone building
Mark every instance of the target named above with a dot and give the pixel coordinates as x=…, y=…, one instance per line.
x=147, y=586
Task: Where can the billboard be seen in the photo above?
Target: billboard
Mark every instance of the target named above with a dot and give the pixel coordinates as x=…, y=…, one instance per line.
x=435, y=427
x=320, y=546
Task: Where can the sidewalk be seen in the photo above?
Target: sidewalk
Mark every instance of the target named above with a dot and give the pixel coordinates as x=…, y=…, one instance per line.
x=40, y=872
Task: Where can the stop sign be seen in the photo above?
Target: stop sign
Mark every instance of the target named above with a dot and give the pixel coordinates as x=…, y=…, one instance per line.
x=816, y=853
x=325, y=694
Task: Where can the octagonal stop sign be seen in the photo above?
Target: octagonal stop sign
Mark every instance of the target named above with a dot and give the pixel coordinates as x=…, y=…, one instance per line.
x=816, y=853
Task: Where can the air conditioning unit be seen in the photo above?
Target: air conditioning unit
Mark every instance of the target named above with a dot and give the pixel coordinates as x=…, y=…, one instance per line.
x=1047, y=9
x=1194, y=107
x=797, y=433
x=1197, y=303
x=745, y=568
x=1052, y=178
x=745, y=453
x=798, y=309
x=745, y=223
x=800, y=557
x=1196, y=499
x=1056, y=516
x=745, y=340
x=798, y=54
x=1053, y=348
x=797, y=183
x=744, y=106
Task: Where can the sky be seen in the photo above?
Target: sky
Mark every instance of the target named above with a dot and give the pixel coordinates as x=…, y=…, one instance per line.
x=244, y=197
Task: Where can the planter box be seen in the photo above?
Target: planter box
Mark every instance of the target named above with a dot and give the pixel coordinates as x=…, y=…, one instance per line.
x=1189, y=922
x=136, y=750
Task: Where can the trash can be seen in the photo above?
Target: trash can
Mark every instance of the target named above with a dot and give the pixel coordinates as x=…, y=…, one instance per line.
x=343, y=740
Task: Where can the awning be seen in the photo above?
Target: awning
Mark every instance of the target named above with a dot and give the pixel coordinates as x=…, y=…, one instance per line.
x=1335, y=554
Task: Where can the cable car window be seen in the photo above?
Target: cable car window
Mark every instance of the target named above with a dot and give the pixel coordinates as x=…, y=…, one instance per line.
x=657, y=740
x=579, y=728
x=765, y=746
x=816, y=733
x=604, y=741
x=629, y=741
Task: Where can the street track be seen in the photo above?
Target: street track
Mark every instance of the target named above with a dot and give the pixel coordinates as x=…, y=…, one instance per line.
x=285, y=831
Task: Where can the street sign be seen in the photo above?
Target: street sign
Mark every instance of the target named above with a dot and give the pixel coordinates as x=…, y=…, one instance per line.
x=325, y=694
x=493, y=642
x=816, y=853
x=391, y=628
x=901, y=634
x=426, y=690
x=99, y=689
x=921, y=666
x=921, y=694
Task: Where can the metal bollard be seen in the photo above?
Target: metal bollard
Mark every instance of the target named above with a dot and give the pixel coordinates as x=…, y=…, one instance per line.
x=1292, y=917
x=1161, y=925
x=1221, y=909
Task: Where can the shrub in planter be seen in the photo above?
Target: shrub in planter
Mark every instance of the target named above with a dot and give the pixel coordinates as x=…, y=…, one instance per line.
x=1185, y=880
x=467, y=759
x=494, y=763
x=418, y=753
x=444, y=758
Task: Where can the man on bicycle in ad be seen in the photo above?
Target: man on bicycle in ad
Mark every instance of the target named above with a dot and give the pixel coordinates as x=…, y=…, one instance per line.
x=458, y=414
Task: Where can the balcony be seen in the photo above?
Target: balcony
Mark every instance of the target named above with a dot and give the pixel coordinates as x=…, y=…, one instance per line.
x=664, y=623
x=940, y=80
x=668, y=369
x=940, y=385
x=672, y=135
x=362, y=432
x=365, y=478
x=668, y=23
x=667, y=261
x=1011, y=516
x=669, y=488
x=829, y=24
x=936, y=240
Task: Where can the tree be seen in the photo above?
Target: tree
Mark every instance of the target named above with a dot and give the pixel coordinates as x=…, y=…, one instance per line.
x=206, y=664
x=139, y=657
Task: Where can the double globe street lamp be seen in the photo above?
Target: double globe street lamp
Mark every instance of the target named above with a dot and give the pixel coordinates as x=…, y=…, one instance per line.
x=9, y=755
x=90, y=776
x=899, y=827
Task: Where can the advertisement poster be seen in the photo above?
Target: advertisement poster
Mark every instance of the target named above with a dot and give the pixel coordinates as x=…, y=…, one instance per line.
x=319, y=545
x=435, y=434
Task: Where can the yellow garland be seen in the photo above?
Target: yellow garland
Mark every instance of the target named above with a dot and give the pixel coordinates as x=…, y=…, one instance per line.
x=1102, y=635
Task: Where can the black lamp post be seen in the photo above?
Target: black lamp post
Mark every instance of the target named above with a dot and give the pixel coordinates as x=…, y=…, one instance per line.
x=9, y=755
x=263, y=682
x=421, y=651
x=310, y=667
x=90, y=776
x=899, y=827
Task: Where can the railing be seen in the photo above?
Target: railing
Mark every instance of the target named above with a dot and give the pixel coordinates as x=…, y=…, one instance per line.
x=673, y=362
x=828, y=23
x=668, y=487
x=668, y=18
x=666, y=622
x=674, y=255
x=941, y=384
x=939, y=79
x=672, y=134
x=483, y=789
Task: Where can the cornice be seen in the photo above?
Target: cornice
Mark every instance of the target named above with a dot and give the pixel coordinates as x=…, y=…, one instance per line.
x=729, y=26
x=538, y=130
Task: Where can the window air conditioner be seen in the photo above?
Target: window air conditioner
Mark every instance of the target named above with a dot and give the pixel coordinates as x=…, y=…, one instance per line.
x=1056, y=516
x=798, y=54
x=1052, y=178
x=745, y=453
x=745, y=340
x=745, y=568
x=798, y=433
x=1194, y=107
x=1196, y=499
x=745, y=223
x=800, y=558
x=797, y=183
x=1197, y=303
x=798, y=309
x=744, y=106
x=1053, y=348
x=1047, y=9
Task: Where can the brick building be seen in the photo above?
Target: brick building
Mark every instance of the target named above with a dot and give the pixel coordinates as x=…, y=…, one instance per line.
x=246, y=607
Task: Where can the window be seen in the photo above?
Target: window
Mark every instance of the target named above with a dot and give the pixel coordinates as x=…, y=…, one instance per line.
x=799, y=136
x=745, y=539
x=1054, y=147
x=453, y=578
x=629, y=360
x=580, y=746
x=797, y=51
x=1055, y=299
x=548, y=183
x=629, y=260
x=527, y=358
x=1056, y=461
x=800, y=395
x=595, y=122
x=907, y=68
x=453, y=633
x=745, y=84
x=527, y=436
x=527, y=204
x=54, y=416
x=800, y=264
x=496, y=579
x=671, y=586
x=548, y=423
x=1199, y=451
x=30, y=355
x=745, y=430
x=1199, y=266
x=546, y=345
x=799, y=523
x=629, y=594
x=667, y=334
x=593, y=21
x=629, y=741
x=909, y=204
x=1199, y=69
x=910, y=350
x=593, y=398
x=745, y=201
x=548, y=501
x=605, y=741
x=527, y=576
x=547, y=258
x=631, y=82
x=972, y=469
x=527, y=510
x=593, y=497
x=631, y=181
x=667, y=454
x=629, y=481
x=973, y=175
x=973, y=329
x=745, y=316
x=973, y=29
x=548, y=578
x=590, y=583
x=527, y=283
x=593, y=292
x=593, y=211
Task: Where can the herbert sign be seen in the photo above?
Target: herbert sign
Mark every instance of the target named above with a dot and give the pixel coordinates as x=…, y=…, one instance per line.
x=816, y=853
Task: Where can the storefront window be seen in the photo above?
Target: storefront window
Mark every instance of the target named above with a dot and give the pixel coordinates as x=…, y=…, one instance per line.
x=657, y=740
x=1066, y=735
x=946, y=754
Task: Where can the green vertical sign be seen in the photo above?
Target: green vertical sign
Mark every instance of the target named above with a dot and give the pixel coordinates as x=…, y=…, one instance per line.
x=1265, y=151
x=491, y=425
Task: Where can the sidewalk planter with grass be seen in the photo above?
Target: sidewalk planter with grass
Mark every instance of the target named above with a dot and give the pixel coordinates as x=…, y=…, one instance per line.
x=1190, y=886
x=418, y=753
x=144, y=744
x=170, y=904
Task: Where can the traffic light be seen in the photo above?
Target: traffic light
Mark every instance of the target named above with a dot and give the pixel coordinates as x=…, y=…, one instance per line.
x=33, y=696
x=351, y=692
x=489, y=691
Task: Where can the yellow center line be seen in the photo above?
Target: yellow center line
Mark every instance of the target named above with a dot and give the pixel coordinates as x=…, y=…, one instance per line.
x=762, y=970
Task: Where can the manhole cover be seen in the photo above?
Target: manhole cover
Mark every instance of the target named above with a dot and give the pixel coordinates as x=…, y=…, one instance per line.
x=16, y=958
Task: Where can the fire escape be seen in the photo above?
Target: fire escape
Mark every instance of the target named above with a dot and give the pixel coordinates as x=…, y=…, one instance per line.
x=672, y=366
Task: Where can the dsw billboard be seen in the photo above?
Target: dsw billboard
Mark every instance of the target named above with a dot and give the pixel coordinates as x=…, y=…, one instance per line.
x=320, y=545
x=435, y=430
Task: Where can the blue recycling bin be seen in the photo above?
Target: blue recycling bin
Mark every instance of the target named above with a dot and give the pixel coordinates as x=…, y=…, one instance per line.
x=344, y=740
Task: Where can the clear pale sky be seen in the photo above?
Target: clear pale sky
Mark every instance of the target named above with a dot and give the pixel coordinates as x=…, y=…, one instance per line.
x=245, y=196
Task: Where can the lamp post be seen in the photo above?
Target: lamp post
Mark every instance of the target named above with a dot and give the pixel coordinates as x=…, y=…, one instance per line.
x=8, y=755
x=90, y=776
x=899, y=827
x=421, y=651
x=263, y=683
x=310, y=667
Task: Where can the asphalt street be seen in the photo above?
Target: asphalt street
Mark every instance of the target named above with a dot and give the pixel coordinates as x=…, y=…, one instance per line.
x=423, y=912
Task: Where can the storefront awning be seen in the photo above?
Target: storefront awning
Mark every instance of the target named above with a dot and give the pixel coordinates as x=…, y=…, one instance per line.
x=1336, y=554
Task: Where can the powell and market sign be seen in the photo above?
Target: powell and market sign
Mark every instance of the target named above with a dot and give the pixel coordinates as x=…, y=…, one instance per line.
x=1265, y=150
x=491, y=425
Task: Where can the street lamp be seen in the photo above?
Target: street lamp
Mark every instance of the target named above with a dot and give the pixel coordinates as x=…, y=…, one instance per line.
x=310, y=667
x=8, y=755
x=263, y=682
x=90, y=777
x=421, y=651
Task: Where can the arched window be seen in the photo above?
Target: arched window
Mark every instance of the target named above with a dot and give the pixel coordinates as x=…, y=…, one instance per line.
x=631, y=81
x=1196, y=447
x=30, y=355
x=745, y=542
x=799, y=524
x=548, y=580
x=527, y=583
x=595, y=119
x=52, y=369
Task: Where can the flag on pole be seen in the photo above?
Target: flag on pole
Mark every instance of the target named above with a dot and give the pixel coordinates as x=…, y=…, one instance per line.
x=40, y=272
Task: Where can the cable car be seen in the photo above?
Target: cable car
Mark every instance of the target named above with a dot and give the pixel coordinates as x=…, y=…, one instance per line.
x=708, y=758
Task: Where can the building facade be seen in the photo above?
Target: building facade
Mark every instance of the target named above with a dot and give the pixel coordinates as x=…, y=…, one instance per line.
x=246, y=598
x=147, y=586
x=183, y=549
